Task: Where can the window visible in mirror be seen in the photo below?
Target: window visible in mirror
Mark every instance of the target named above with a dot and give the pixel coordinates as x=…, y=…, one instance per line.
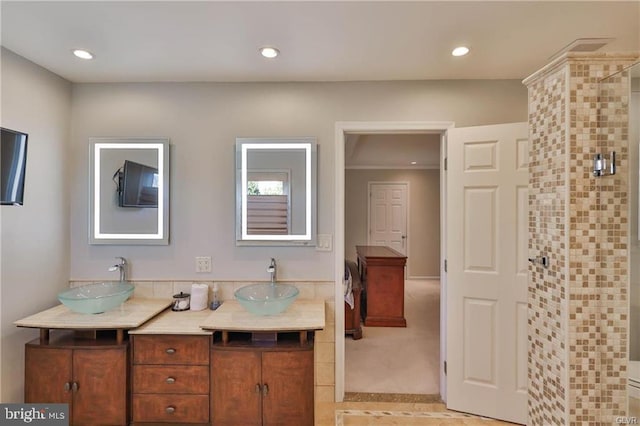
x=276, y=191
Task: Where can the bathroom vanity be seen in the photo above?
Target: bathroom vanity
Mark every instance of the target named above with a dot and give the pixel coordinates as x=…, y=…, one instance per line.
x=84, y=362
x=226, y=367
x=263, y=370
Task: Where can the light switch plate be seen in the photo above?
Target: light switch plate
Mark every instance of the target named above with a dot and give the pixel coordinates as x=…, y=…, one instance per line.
x=203, y=263
x=325, y=242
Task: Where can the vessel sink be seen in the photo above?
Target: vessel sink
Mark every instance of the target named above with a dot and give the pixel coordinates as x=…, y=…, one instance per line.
x=96, y=298
x=266, y=298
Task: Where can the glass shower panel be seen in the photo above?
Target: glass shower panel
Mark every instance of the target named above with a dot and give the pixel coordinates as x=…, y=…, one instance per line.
x=619, y=129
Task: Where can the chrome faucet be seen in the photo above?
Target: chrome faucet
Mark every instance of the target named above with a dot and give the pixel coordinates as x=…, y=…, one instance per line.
x=122, y=267
x=272, y=271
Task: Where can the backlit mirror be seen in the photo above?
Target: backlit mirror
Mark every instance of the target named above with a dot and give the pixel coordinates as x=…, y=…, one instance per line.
x=275, y=191
x=129, y=202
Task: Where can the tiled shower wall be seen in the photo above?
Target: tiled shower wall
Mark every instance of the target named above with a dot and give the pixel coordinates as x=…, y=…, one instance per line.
x=578, y=306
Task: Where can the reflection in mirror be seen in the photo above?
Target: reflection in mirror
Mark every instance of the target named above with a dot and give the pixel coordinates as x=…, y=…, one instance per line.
x=129, y=191
x=275, y=191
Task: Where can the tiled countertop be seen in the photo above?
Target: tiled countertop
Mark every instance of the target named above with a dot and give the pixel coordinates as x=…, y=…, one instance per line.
x=301, y=315
x=131, y=314
x=170, y=322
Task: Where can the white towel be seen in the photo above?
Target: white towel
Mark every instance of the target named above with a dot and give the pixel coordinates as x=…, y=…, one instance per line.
x=347, y=283
x=199, y=296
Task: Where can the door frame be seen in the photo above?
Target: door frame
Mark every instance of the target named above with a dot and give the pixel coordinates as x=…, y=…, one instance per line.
x=342, y=128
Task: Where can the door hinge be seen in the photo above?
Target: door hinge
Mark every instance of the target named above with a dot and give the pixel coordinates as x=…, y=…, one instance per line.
x=445, y=163
x=445, y=265
x=445, y=367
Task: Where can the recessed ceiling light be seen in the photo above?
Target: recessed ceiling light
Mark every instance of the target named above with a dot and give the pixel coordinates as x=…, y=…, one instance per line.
x=269, y=52
x=460, y=51
x=83, y=54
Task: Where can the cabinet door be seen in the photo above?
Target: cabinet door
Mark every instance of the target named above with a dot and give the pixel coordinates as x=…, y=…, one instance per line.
x=101, y=376
x=235, y=388
x=289, y=378
x=46, y=372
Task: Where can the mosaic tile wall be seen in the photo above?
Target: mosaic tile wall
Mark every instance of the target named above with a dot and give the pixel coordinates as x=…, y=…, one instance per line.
x=578, y=307
x=547, y=299
x=613, y=135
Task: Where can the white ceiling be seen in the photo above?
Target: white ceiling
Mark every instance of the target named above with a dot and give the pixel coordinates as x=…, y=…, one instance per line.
x=319, y=41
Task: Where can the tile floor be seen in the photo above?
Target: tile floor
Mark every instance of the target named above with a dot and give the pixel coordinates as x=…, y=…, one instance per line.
x=393, y=413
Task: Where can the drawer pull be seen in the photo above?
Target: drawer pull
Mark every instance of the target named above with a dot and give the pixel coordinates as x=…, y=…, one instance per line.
x=170, y=409
x=170, y=351
x=170, y=380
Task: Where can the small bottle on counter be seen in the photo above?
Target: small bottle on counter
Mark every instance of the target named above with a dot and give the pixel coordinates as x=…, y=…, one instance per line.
x=215, y=301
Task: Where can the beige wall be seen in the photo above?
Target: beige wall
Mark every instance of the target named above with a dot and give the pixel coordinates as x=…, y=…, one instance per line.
x=35, y=237
x=203, y=120
x=423, y=211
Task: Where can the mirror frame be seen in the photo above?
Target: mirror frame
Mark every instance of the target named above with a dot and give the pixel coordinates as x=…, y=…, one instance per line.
x=308, y=144
x=161, y=236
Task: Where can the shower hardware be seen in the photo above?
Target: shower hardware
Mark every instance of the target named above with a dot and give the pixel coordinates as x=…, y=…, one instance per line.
x=600, y=165
x=542, y=260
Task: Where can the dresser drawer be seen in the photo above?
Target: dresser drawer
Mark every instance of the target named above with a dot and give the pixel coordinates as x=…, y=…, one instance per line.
x=170, y=349
x=171, y=408
x=192, y=379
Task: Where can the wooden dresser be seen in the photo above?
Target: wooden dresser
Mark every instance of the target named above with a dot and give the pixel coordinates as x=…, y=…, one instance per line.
x=382, y=273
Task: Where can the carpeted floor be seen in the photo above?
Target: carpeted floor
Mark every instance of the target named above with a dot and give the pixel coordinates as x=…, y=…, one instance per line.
x=400, y=360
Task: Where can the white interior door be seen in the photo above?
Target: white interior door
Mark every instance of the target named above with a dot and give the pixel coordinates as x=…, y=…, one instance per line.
x=388, y=215
x=487, y=247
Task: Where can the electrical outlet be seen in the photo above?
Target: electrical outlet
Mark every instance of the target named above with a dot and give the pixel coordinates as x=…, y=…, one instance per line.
x=203, y=263
x=325, y=242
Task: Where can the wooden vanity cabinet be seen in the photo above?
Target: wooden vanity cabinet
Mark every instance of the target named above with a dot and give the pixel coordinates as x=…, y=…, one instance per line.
x=262, y=386
x=170, y=379
x=89, y=375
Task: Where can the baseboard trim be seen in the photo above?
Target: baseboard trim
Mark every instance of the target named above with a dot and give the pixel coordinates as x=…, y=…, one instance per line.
x=435, y=277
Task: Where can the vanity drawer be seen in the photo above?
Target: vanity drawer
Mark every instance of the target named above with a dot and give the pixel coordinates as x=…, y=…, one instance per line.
x=170, y=379
x=171, y=349
x=171, y=408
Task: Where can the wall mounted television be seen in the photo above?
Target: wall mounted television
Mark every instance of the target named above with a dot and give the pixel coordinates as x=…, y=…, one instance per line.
x=138, y=185
x=13, y=162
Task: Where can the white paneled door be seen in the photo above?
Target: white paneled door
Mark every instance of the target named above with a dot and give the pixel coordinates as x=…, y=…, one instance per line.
x=388, y=215
x=487, y=250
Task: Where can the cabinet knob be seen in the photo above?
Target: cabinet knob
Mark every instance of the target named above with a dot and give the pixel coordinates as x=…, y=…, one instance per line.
x=74, y=386
x=258, y=388
x=67, y=387
x=170, y=351
x=170, y=380
x=170, y=409
x=265, y=389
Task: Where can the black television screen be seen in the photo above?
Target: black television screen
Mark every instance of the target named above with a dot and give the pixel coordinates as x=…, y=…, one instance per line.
x=139, y=185
x=13, y=162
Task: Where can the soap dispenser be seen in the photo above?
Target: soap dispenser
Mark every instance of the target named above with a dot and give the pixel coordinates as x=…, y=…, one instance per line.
x=215, y=301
